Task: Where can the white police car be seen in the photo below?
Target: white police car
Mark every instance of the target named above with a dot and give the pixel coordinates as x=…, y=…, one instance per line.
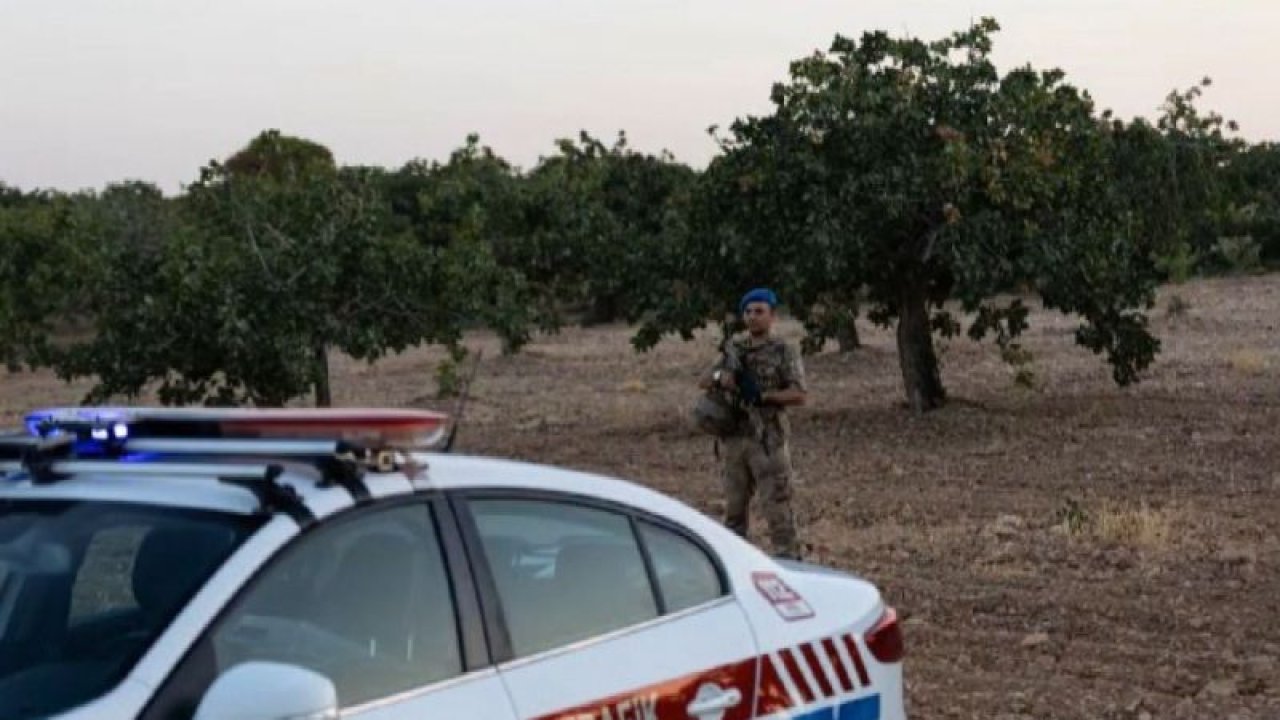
x=237, y=564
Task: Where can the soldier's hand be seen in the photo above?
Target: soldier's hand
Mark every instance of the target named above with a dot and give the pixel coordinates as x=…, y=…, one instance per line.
x=727, y=381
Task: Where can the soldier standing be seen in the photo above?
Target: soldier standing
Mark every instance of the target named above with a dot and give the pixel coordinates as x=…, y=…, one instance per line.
x=757, y=455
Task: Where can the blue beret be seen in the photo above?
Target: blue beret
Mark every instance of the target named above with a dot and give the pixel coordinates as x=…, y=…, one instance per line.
x=764, y=295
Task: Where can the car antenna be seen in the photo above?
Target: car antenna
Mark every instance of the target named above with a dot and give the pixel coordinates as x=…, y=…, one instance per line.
x=462, y=404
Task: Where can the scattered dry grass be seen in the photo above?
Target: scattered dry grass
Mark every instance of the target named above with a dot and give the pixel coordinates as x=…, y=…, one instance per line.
x=634, y=386
x=1142, y=526
x=1118, y=523
x=1249, y=361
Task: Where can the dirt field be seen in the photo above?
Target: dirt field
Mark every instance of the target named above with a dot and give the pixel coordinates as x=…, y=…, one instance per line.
x=1070, y=551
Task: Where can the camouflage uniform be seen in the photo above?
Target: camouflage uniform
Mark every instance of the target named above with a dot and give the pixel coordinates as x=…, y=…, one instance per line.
x=758, y=455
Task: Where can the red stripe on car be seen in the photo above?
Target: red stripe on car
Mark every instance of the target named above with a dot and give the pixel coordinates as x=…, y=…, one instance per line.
x=856, y=656
x=815, y=666
x=846, y=684
x=792, y=665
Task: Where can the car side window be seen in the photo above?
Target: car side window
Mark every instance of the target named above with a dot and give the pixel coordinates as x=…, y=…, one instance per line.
x=685, y=574
x=365, y=602
x=563, y=572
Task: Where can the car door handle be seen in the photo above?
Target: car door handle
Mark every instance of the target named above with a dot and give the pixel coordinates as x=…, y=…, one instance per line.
x=712, y=701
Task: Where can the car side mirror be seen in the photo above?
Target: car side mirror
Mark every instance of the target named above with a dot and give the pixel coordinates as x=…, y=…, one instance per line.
x=269, y=691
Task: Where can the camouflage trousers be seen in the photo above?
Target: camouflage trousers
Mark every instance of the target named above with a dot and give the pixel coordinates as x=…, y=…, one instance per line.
x=748, y=468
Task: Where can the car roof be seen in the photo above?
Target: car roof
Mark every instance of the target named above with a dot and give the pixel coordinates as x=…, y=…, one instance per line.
x=435, y=471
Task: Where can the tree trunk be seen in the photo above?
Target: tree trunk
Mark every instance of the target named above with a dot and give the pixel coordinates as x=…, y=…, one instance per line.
x=324, y=396
x=919, y=364
x=847, y=334
x=603, y=310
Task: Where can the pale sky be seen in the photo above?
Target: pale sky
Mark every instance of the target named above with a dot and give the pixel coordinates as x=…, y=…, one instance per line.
x=96, y=91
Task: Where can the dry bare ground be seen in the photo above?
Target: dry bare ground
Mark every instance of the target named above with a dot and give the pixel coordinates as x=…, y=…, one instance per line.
x=1074, y=550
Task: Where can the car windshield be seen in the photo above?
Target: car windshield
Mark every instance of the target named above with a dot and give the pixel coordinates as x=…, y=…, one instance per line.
x=87, y=587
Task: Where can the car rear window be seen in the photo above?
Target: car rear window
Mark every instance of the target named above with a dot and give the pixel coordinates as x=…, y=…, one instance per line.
x=685, y=573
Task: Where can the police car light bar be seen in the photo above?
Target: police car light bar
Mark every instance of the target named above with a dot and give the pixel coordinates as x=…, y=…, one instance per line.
x=138, y=427
x=341, y=443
